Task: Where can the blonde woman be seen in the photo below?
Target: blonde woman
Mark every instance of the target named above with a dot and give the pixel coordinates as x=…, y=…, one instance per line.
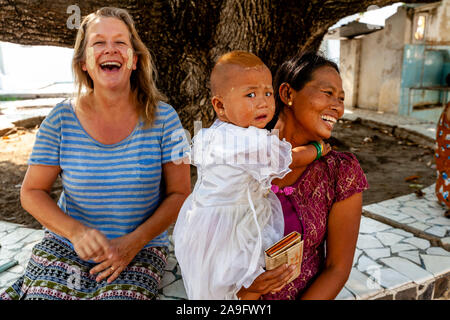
x=114, y=146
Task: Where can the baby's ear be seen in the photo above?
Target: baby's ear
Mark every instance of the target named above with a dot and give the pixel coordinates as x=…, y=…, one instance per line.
x=217, y=103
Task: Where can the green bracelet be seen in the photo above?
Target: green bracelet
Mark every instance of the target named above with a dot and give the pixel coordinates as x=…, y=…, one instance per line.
x=318, y=147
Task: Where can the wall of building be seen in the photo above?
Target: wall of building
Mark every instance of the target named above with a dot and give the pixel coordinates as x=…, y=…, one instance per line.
x=394, y=34
x=426, y=63
x=380, y=73
x=350, y=52
x=371, y=69
x=371, y=66
x=381, y=83
x=439, y=24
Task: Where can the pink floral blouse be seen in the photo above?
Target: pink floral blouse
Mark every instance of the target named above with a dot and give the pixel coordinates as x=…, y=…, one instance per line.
x=306, y=205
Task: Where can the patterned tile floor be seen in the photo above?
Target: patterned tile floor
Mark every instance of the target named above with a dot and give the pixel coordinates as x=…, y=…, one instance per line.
x=397, y=262
x=403, y=248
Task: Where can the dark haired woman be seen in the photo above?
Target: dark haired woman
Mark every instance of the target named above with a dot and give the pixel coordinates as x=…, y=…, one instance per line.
x=326, y=203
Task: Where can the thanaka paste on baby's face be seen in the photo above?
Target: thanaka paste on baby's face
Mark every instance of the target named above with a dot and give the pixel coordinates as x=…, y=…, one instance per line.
x=246, y=94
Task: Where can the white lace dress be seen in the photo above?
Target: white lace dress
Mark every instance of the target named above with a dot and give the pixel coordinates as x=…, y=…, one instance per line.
x=231, y=216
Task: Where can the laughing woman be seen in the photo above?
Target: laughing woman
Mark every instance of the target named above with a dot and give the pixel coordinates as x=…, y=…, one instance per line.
x=114, y=147
x=324, y=201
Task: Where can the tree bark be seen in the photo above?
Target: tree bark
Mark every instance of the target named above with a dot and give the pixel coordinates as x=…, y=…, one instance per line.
x=185, y=37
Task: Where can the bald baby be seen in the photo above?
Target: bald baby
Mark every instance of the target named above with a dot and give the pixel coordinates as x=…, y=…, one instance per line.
x=222, y=75
x=241, y=85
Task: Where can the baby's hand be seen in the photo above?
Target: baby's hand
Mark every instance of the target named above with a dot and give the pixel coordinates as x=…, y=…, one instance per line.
x=326, y=148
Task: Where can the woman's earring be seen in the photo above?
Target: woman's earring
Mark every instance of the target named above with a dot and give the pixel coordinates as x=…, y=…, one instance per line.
x=290, y=103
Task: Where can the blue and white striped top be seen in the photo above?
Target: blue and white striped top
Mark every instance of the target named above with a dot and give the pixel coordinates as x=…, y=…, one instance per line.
x=112, y=188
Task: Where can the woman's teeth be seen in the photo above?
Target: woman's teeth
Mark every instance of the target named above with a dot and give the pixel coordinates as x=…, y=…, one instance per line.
x=329, y=119
x=110, y=65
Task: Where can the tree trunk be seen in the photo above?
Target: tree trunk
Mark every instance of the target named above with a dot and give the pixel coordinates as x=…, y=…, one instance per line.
x=186, y=37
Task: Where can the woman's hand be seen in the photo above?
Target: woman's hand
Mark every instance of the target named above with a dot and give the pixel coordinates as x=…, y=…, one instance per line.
x=90, y=243
x=269, y=281
x=123, y=250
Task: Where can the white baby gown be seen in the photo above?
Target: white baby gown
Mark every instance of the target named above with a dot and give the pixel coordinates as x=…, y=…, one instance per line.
x=231, y=216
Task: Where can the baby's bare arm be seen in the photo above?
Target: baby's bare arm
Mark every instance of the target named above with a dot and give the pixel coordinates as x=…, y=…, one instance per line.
x=304, y=155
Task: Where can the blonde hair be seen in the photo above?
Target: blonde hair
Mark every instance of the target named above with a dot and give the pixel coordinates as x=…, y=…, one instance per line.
x=142, y=79
x=239, y=58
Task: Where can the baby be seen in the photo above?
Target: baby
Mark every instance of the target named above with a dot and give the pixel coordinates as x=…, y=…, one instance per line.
x=232, y=216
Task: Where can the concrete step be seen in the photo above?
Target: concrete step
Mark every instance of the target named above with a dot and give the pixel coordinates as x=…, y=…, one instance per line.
x=391, y=263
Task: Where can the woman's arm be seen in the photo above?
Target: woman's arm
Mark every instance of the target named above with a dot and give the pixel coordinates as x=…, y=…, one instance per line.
x=268, y=281
x=36, y=200
x=178, y=187
x=342, y=234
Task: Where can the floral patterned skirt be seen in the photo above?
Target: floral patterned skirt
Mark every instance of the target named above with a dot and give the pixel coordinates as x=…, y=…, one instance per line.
x=55, y=272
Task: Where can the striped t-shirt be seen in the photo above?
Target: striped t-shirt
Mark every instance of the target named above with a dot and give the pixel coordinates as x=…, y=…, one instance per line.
x=112, y=188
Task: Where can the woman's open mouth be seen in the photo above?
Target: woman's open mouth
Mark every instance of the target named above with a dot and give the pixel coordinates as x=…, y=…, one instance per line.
x=110, y=66
x=329, y=120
